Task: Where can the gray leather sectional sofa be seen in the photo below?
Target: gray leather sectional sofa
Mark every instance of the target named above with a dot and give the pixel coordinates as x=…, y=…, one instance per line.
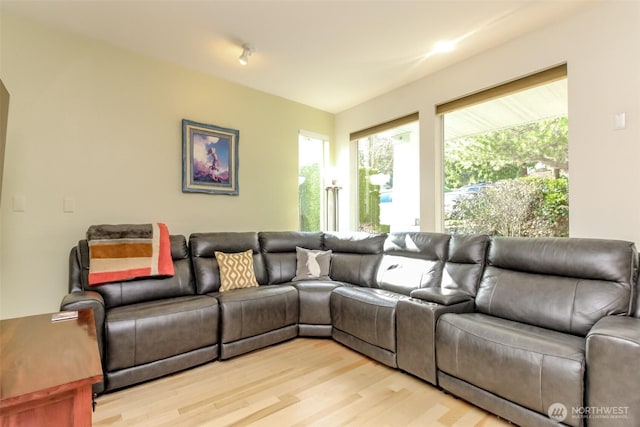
x=537, y=331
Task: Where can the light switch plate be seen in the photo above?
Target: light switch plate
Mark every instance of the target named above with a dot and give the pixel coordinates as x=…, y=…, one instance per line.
x=68, y=205
x=19, y=203
x=619, y=121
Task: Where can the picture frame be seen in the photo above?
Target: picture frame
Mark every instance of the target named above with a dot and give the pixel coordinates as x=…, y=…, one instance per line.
x=209, y=159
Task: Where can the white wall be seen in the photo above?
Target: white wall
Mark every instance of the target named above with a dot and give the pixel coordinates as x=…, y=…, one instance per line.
x=102, y=126
x=601, y=46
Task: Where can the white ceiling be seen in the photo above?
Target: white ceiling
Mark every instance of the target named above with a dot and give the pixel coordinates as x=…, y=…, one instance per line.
x=330, y=54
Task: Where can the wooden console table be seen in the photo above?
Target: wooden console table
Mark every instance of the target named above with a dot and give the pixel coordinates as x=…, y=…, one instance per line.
x=47, y=369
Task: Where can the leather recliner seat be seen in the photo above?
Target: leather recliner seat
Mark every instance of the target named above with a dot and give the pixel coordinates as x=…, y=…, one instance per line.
x=149, y=327
x=524, y=346
x=279, y=249
x=249, y=318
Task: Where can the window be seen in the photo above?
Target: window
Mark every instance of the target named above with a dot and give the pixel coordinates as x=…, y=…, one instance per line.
x=388, y=176
x=313, y=151
x=506, y=169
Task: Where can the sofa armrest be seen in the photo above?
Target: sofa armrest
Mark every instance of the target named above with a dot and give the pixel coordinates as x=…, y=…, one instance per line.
x=441, y=296
x=93, y=300
x=613, y=377
x=416, y=329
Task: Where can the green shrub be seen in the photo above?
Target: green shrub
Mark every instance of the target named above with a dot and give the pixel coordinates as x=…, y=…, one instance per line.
x=527, y=207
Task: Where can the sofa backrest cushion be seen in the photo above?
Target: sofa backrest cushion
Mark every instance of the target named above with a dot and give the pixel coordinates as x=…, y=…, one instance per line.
x=412, y=260
x=140, y=290
x=205, y=267
x=355, y=257
x=279, y=250
x=465, y=262
x=565, y=284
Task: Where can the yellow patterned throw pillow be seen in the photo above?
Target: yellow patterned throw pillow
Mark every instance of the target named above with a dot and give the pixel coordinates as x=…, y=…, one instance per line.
x=236, y=270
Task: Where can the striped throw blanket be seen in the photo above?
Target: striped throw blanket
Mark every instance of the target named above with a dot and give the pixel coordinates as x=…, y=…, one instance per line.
x=128, y=251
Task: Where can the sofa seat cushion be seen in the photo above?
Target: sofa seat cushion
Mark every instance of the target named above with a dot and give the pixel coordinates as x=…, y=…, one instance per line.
x=146, y=332
x=250, y=312
x=367, y=314
x=315, y=298
x=528, y=365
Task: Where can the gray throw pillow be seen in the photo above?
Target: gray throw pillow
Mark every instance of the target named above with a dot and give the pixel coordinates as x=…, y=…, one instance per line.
x=312, y=264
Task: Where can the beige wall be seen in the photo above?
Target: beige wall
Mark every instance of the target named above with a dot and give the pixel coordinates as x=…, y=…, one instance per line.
x=4, y=110
x=102, y=126
x=600, y=46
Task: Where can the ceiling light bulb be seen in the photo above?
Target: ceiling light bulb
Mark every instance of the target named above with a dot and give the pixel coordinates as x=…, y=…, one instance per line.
x=444, y=46
x=244, y=58
x=246, y=53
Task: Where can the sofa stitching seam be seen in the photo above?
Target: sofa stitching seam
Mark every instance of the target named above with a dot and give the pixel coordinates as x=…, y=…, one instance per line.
x=493, y=291
x=541, y=379
x=573, y=305
x=135, y=340
x=150, y=316
x=242, y=319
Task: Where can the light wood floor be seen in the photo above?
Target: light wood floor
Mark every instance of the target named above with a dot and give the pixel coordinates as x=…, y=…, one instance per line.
x=302, y=382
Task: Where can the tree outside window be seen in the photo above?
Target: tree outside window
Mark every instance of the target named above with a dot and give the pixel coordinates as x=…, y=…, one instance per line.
x=511, y=181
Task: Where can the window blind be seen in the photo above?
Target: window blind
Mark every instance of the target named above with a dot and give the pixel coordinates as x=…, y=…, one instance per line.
x=383, y=126
x=543, y=77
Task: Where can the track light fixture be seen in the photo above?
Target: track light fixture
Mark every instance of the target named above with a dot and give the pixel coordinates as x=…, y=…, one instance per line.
x=247, y=50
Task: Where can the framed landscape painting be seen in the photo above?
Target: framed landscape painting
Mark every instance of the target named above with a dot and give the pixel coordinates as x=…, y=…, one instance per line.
x=209, y=159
